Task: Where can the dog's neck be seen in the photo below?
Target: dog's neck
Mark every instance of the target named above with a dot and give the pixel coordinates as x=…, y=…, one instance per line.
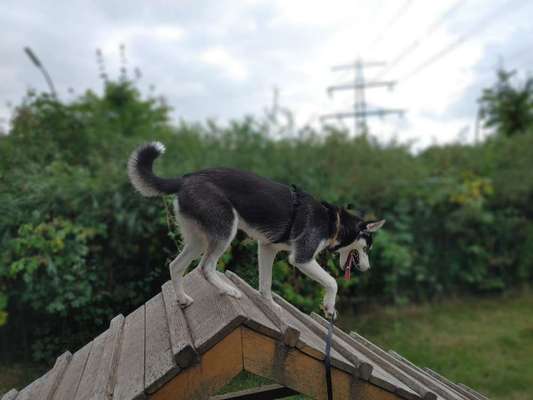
x=336, y=229
x=334, y=216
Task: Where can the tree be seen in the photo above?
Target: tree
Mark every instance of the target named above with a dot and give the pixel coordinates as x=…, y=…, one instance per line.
x=508, y=107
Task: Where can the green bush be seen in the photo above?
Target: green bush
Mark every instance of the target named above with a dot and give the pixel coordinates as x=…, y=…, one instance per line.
x=78, y=245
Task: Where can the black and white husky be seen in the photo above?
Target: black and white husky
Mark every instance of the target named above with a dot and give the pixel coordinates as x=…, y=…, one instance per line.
x=212, y=204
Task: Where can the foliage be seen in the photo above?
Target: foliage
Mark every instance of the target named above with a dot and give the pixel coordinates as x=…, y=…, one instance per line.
x=78, y=245
x=508, y=107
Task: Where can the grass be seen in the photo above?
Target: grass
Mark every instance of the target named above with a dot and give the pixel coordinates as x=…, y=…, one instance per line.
x=484, y=343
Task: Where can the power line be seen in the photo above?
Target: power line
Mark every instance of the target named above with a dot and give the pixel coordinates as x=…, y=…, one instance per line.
x=418, y=41
x=480, y=26
x=395, y=18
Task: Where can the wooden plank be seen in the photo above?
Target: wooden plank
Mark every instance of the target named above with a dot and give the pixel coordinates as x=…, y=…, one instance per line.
x=68, y=386
x=380, y=359
x=180, y=337
x=212, y=315
x=130, y=370
x=47, y=389
x=103, y=383
x=216, y=368
x=25, y=394
x=255, y=318
x=361, y=369
x=456, y=387
x=290, y=334
x=160, y=365
x=11, y=395
x=86, y=388
x=433, y=385
x=473, y=394
x=362, y=390
x=265, y=392
x=297, y=370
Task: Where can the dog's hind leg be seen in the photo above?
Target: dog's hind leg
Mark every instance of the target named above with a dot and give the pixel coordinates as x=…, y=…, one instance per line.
x=215, y=248
x=178, y=266
x=192, y=249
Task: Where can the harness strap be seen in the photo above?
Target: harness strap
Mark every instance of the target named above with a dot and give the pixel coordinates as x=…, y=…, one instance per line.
x=334, y=225
x=327, y=360
x=295, y=203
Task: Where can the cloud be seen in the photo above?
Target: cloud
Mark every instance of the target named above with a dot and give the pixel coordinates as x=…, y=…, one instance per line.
x=222, y=59
x=229, y=64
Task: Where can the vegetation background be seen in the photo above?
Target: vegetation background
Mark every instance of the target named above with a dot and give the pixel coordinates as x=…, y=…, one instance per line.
x=78, y=245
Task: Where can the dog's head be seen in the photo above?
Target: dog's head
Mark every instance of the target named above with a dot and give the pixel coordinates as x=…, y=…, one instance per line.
x=355, y=242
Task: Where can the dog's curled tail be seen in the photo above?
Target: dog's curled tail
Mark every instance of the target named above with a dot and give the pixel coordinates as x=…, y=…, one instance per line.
x=141, y=173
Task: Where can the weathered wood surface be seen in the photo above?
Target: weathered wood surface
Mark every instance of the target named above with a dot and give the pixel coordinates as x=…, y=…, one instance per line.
x=473, y=394
x=163, y=352
x=465, y=391
x=255, y=317
x=380, y=361
x=290, y=334
x=160, y=365
x=216, y=367
x=68, y=385
x=48, y=387
x=86, y=388
x=312, y=340
x=212, y=315
x=363, y=369
x=292, y=368
x=103, y=381
x=435, y=386
x=265, y=392
x=31, y=392
x=180, y=337
x=10, y=395
x=362, y=390
x=130, y=371
x=97, y=380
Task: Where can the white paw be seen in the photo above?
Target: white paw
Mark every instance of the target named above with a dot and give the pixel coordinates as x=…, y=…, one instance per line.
x=233, y=292
x=275, y=306
x=329, y=312
x=185, y=301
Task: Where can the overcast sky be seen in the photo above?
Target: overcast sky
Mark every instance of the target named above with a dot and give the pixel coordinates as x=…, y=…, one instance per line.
x=221, y=59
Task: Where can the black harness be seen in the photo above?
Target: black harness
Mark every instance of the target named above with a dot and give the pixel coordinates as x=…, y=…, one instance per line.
x=295, y=196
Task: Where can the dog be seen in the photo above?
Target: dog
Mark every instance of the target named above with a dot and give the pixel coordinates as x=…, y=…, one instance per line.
x=212, y=204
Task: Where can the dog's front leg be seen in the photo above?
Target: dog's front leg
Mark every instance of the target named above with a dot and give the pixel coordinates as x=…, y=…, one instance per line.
x=314, y=271
x=265, y=257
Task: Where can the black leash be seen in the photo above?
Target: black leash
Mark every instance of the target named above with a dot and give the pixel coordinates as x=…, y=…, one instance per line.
x=327, y=360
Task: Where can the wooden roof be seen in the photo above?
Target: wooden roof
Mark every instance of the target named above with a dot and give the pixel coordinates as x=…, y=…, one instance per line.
x=159, y=351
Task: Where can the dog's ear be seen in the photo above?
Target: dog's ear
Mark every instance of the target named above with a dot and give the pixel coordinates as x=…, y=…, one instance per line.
x=373, y=226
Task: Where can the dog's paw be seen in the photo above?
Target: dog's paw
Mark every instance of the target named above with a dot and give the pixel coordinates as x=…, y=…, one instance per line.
x=275, y=306
x=233, y=292
x=185, y=301
x=329, y=312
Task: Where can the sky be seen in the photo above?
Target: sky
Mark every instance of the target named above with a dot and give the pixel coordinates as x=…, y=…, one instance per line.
x=222, y=59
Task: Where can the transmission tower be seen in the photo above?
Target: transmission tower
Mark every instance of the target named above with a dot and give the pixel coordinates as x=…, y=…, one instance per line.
x=359, y=86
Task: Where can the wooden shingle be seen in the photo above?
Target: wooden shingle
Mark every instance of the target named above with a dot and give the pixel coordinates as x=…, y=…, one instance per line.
x=129, y=383
x=160, y=350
